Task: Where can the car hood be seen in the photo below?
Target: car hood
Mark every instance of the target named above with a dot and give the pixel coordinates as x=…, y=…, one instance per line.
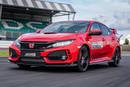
x=47, y=37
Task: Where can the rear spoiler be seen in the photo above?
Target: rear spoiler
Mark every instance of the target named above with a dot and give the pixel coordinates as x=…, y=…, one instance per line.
x=114, y=31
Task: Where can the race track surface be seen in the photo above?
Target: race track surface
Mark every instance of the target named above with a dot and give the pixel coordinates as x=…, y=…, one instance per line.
x=99, y=75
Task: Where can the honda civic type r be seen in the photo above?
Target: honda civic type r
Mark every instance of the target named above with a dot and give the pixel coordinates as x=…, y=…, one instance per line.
x=69, y=43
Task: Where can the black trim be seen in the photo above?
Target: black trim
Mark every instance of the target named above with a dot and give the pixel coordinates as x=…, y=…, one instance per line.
x=13, y=53
x=57, y=55
x=46, y=64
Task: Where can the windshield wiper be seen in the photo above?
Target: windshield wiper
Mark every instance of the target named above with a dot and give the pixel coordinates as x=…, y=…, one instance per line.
x=50, y=33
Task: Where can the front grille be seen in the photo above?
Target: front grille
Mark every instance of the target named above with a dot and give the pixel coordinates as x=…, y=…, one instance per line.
x=36, y=45
x=30, y=58
x=40, y=60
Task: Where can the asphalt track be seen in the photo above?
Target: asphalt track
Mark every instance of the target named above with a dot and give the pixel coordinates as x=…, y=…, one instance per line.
x=99, y=75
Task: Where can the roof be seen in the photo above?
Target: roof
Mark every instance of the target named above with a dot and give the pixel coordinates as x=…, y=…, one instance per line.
x=39, y=5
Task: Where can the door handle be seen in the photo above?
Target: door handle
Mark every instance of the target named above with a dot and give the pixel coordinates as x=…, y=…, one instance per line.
x=113, y=38
x=103, y=39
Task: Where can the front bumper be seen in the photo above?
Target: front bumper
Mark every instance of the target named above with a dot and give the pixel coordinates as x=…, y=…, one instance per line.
x=45, y=64
x=61, y=56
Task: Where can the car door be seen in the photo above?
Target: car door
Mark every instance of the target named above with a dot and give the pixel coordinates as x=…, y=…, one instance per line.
x=97, y=43
x=108, y=40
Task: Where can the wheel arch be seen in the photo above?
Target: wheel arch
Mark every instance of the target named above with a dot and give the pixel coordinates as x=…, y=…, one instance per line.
x=88, y=48
x=117, y=47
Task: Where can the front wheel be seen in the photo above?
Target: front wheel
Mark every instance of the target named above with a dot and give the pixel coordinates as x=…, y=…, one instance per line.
x=115, y=59
x=83, y=59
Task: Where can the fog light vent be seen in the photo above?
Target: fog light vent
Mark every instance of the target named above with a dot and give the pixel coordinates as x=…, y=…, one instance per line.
x=68, y=52
x=13, y=53
x=57, y=55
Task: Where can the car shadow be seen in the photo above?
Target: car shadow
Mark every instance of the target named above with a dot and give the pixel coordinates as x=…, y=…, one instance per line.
x=95, y=67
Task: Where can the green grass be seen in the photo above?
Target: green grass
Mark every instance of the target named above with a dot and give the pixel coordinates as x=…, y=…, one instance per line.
x=4, y=53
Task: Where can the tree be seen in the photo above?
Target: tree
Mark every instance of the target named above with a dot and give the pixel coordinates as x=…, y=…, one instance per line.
x=126, y=42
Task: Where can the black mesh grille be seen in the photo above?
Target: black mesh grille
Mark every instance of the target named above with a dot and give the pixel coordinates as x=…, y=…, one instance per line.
x=57, y=55
x=27, y=59
x=13, y=53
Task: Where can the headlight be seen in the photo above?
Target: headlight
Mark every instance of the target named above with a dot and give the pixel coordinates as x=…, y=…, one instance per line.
x=61, y=43
x=17, y=43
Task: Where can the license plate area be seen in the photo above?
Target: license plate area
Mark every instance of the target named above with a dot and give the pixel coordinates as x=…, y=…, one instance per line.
x=30, y=54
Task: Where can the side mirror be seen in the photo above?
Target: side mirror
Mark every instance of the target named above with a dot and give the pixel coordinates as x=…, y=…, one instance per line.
x=38, y=31
x=95, y=32
x=114, y=31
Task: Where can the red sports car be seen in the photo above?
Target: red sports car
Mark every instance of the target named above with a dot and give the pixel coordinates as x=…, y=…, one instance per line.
x=69, y=43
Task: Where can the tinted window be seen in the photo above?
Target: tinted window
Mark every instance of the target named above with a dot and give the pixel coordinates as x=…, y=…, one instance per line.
x=105, y=30
x=95, y=26
x=67, y=27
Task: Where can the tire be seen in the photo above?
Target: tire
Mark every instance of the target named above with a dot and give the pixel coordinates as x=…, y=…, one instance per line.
x=115, y=59
x=23, y=66
x=83, y=59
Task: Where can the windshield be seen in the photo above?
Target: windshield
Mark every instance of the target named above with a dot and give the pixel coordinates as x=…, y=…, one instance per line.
x=66, y=27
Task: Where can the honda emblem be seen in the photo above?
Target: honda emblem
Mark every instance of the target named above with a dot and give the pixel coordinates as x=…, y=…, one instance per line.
x=31, y=45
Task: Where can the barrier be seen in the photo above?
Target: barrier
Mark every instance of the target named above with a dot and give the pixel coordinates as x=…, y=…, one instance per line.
x=5, y=44
x=125, y=47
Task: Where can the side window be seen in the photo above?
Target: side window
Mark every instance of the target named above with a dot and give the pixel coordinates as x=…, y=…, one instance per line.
x=105, y=30
x=95, y=26
x=110, y=32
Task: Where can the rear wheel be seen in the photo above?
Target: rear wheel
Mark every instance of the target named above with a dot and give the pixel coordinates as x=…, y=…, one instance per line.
x=83, y=59
x=23, y=66
x=115, y=59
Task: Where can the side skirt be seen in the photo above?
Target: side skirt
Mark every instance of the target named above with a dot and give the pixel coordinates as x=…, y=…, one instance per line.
x=100, y=60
